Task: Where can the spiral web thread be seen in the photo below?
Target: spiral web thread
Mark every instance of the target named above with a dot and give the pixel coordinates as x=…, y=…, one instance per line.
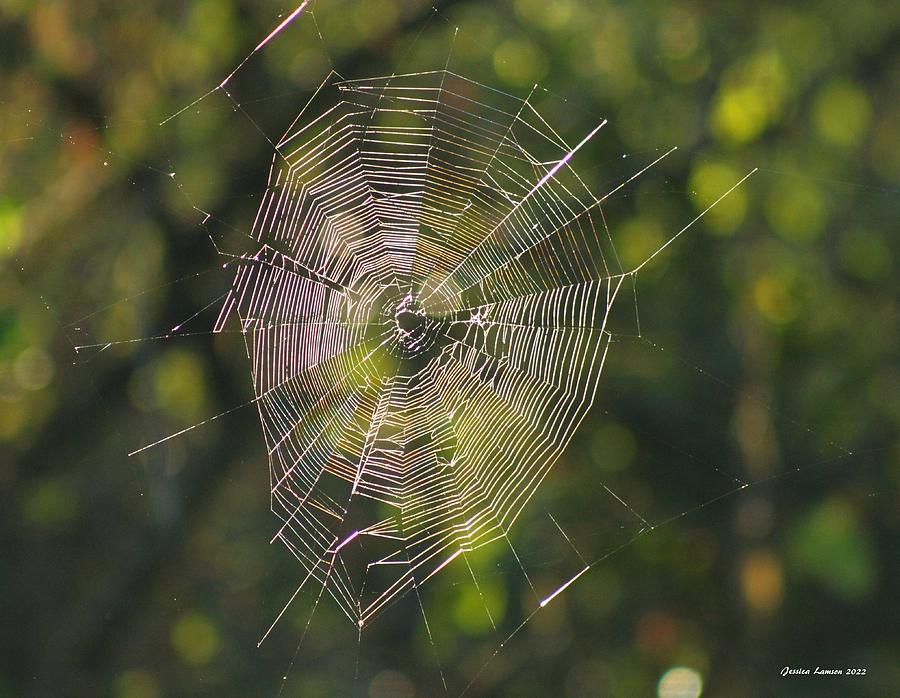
x=424, y=310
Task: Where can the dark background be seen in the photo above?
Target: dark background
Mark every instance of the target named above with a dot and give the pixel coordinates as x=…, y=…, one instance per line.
x=767, y=355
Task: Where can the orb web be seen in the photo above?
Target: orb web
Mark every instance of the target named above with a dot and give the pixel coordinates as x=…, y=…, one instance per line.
x=424, y=309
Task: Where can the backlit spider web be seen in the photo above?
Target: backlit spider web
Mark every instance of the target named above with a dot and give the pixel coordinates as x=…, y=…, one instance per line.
x=424, y=306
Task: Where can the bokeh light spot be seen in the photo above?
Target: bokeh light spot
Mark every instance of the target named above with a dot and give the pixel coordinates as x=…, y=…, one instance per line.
x=885, y=150
x=740, y=114
x=657, y=632
x=50, y=505
x=841, y=113
x=638, y=238
x=797, y=210
x=831, y=546
x=613, y=447
x=865, y=254
x=10, y=228
x=750, y=99
x=470, y=612
x=774, y=299
x=553, y=15
x=519, y=62
x=762, y=581
x=136, y=683
x=678, y=33
x=33, y=368
x=680, y=682
x=195, y=639
x=708, y=181
x=179, y=384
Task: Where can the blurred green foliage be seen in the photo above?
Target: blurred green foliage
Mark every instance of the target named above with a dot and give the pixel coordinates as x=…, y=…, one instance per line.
x=768, y=355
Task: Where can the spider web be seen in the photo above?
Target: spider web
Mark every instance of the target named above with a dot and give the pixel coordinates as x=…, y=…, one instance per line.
x=423, y=297
x=423, y=301
x=425, y=318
